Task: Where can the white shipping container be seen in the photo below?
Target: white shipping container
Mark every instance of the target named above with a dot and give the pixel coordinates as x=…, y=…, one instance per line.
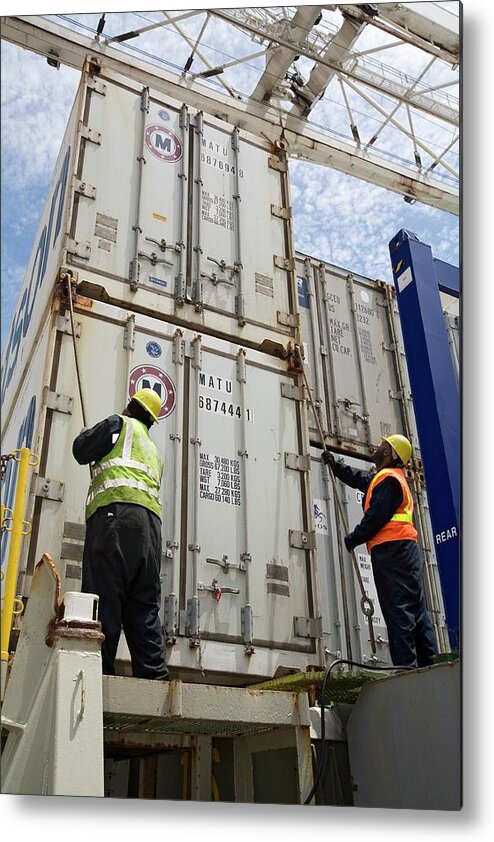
x=354, y=358
x=159, y=208
x=240, y=582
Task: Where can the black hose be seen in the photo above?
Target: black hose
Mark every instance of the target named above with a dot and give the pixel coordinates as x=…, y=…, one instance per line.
x=320, y=764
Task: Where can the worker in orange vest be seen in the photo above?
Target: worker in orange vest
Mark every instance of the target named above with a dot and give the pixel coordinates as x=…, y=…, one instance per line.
x=387, y=529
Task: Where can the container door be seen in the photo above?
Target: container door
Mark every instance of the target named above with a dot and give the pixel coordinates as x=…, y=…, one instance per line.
x=240, y=239
x=344, y=624
x=118, y=354
x=314, y=352
x=364, y=398
x=248, y=570
x=129, y=214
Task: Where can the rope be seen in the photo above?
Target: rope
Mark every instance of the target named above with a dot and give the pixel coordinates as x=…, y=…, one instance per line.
x=365, y=603
x=76, y=358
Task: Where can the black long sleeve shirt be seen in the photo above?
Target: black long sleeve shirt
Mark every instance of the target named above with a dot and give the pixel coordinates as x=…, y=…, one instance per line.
x=387, y=496
x=93, y=443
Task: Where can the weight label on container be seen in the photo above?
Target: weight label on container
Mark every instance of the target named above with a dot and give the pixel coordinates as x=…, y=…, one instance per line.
x=365, y=566
x=339, y=332
x=366, y=346
x=229, y=410
x=218, y=210
x=219, y=479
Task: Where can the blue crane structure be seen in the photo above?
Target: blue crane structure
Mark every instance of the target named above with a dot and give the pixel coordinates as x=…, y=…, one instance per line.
x=419, y=278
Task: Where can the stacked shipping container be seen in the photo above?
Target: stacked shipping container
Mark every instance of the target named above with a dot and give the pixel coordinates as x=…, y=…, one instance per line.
x=176, y=229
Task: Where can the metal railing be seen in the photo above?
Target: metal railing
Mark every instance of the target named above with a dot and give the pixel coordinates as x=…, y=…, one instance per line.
x=13, y=522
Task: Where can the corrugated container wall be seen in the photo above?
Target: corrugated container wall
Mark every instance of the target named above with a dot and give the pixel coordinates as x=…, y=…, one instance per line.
x=354, y=357
x=177, y=229
x=165, y=204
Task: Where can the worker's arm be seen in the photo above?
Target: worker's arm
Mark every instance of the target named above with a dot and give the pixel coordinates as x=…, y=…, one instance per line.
x=93, y=443
x=386, y=498
x=350, y=476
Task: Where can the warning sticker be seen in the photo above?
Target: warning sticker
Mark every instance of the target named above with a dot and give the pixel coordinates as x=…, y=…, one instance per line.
x=219, y=479
x=365, y=566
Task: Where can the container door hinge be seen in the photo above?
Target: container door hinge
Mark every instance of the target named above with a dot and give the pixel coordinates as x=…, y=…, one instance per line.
x=287, y=263
x=297, y=461
x=95, y=85
x=288, y=319
x=85, y=189
x=178, y=348
x=91, y=135
x=281, y=213
x=292, y=392
x=79, y=249
x=58, y=402
x=49, y=489
x=307, y=627
x=192, y=621
x=277, y=164
x=170, y=619
x=129, y=334
x=134, y=273
x=240, y=309
x=247, y=627
x=302, y=540
x=64, y=326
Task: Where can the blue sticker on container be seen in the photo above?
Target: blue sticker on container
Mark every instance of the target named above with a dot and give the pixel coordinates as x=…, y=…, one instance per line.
x=153, y=349
x=163, y=115
x=158, y=281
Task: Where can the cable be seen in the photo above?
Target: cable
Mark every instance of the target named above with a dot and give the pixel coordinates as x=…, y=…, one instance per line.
x=327, y=673
x=68, y=279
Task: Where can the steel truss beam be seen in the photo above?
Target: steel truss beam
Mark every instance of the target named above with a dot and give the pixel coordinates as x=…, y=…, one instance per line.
x=58, y=44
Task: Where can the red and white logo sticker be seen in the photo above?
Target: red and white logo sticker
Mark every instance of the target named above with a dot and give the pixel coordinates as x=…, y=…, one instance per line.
x=151, y=377
x=163, y=143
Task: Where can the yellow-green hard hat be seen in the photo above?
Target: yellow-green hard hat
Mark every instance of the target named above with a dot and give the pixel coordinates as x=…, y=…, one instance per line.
x=150, y=400
x=400, y=445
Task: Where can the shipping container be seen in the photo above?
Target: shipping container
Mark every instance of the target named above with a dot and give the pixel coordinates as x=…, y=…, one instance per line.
x=355, y=358
x=157, y=207
x=240, y=585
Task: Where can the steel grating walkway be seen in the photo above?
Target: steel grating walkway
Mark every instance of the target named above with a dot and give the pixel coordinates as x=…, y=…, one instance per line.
x=343, y=686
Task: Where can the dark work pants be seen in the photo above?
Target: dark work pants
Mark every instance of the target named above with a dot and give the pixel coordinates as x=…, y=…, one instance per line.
x=398, y=574
x=121, y=563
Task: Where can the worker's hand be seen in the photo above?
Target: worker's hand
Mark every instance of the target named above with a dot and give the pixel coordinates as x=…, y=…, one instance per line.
x=348, y=543
x=328, y=458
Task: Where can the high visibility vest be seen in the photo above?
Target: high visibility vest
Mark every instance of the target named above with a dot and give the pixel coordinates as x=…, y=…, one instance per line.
x=400, y=527
x=130, y=473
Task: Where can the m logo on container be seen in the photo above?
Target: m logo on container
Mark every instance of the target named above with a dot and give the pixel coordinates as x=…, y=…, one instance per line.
x=151, y=377
x=163, y=143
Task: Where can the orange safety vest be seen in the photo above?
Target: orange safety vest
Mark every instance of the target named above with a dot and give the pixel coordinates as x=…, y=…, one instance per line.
x=400, y=527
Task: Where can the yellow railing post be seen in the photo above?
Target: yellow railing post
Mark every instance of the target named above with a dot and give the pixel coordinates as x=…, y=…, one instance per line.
x=19, y=527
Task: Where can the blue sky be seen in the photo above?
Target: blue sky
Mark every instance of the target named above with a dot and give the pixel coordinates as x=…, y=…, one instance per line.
x=337, y=218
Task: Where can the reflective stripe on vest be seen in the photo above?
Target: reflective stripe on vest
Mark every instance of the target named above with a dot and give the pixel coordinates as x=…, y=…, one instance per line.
x=400, y=527
x=129, y=473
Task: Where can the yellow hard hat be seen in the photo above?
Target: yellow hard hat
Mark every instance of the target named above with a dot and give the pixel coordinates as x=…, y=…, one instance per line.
x=400, y=445
x=150, y=400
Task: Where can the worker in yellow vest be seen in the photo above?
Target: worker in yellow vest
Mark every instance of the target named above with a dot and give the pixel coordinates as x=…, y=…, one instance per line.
x=387, y=529
x=122, y=550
